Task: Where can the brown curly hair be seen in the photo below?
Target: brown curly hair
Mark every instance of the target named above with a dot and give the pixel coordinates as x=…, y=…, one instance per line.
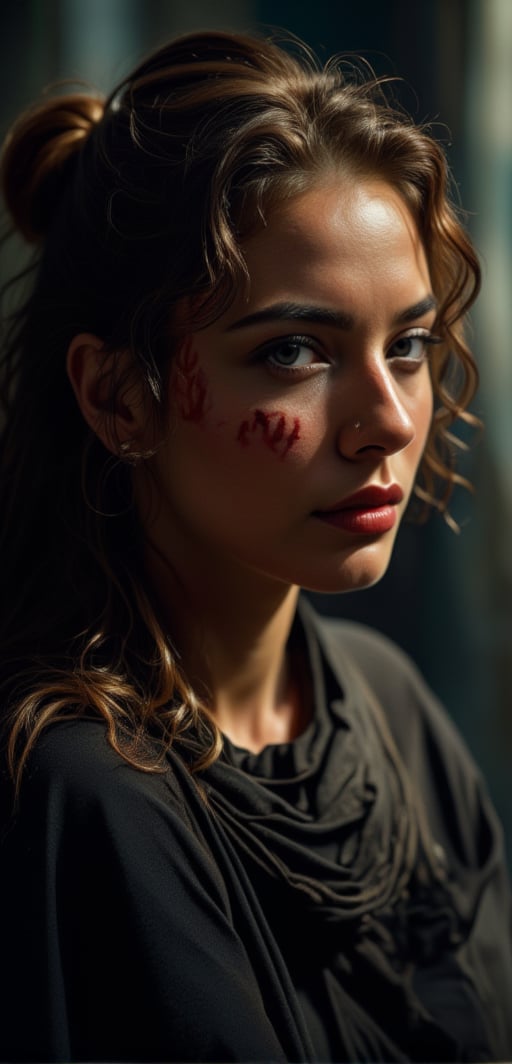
x=134, y=203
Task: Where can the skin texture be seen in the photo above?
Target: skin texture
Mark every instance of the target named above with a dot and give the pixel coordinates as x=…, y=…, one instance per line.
x=256, y=449
x=191, y=393
x=265, y=430
x=273, y=428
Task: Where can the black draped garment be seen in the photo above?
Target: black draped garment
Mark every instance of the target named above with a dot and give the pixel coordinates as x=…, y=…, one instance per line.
x=342, y=897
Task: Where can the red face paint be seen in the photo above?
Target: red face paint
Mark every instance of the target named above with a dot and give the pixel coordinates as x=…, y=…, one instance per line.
x=277, y=431
x=191, y=385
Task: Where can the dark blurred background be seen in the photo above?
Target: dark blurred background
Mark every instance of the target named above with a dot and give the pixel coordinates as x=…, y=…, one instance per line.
x=447, y=598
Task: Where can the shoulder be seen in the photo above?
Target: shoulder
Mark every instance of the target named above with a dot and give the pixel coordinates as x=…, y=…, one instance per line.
x=82, y=807
x=387, y=669
x=77, y=789
x=420, y=725
x=77, y=756
x=396, y=682
x=444, y=774
x=75, y=760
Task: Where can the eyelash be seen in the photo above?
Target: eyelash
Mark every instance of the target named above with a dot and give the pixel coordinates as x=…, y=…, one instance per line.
x=427, y=339
x=265, y=353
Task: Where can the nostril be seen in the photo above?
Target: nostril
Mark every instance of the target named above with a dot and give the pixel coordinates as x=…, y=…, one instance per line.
x=371, y=447
x=386, y=431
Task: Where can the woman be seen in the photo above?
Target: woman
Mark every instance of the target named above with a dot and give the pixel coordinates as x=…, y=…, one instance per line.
x=240, y=832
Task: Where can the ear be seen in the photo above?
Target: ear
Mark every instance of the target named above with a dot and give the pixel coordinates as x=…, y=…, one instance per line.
x=106, y=392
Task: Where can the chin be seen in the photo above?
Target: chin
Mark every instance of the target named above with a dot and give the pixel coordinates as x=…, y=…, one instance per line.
x=362, y=569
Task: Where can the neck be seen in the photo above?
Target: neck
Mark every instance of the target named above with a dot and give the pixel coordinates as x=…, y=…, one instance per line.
x=231, y=630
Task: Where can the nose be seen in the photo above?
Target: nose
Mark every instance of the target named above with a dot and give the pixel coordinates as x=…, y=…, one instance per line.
x=378, y=417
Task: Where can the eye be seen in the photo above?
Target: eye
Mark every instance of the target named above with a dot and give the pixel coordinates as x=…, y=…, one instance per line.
x=291, y=353
x=412, y=347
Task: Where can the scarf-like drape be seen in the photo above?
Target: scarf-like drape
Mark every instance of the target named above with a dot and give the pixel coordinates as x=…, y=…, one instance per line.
x=355, y=889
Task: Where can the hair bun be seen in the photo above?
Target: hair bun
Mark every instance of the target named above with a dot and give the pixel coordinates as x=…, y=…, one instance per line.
x=35, y=156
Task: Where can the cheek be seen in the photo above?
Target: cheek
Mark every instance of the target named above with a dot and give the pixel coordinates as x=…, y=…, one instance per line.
x=421, y=414
x=425, y=413
x=275, y=430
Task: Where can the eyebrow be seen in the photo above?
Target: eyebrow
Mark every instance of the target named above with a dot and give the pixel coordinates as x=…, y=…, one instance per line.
x=324, y=316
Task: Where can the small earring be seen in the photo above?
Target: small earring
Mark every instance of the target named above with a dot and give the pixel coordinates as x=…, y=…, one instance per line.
x=357, y=425
x=125, y=452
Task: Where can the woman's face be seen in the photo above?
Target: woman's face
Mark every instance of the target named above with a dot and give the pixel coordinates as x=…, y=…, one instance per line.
x=298, y=419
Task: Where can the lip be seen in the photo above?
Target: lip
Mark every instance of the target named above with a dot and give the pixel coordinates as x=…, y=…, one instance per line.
x=370, y=498
x=370, y=511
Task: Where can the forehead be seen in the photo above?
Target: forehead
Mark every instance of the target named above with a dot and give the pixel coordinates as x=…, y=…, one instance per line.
x=349, y=241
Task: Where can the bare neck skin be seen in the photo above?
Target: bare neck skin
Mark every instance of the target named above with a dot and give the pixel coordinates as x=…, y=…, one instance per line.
x=235, y=656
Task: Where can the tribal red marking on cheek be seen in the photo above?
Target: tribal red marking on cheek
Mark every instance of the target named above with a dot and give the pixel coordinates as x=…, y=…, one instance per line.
x=277, y=431
x=191, y=387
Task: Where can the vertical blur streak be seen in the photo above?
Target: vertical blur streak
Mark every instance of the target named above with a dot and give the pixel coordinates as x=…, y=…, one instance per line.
x=99, y=39
x=489, y=139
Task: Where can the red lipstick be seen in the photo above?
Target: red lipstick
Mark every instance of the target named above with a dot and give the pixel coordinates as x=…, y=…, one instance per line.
x=368, y=512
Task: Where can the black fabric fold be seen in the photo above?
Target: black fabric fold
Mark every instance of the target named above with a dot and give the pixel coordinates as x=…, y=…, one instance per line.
x=342, y=897
x=333, y=838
